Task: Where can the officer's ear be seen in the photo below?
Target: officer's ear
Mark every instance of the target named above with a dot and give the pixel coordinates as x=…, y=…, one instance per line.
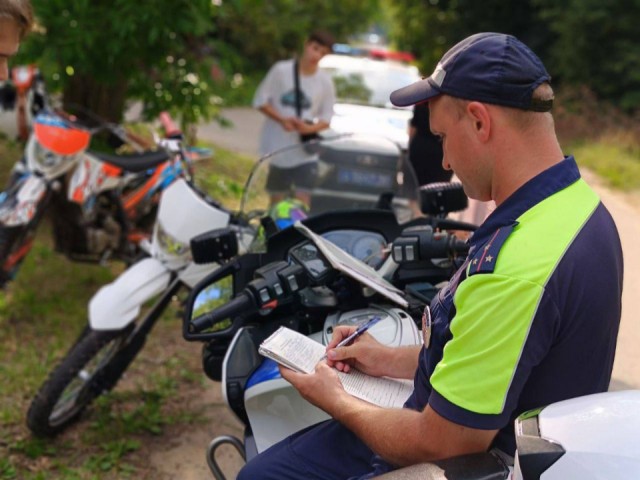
x=481, y=120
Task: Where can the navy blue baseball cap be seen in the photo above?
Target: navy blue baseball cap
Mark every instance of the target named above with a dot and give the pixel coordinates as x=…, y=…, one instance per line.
x=485, y=67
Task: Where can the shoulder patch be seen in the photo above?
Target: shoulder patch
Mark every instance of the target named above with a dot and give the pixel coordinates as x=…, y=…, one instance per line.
x=484, y=259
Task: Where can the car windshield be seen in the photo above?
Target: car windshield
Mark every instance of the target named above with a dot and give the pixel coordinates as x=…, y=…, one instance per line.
x=365, y=81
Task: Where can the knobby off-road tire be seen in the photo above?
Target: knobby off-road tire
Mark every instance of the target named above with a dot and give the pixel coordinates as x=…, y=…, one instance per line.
x=92, y=367
x=11, y=240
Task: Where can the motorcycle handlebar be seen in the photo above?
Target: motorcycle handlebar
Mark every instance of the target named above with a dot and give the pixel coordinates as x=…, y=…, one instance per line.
x=243, y=303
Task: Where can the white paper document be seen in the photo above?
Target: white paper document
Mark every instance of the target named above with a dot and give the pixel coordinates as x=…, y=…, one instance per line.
x=300, y=353
x=342, y=261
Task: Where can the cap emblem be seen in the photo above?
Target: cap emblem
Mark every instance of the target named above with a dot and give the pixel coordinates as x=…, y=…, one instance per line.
x=438, y=75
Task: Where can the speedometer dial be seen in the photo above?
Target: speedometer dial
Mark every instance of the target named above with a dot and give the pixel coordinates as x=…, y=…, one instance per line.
x=368, y=248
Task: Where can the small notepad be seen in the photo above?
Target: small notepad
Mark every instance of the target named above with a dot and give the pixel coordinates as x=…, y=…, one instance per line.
x=301, y=354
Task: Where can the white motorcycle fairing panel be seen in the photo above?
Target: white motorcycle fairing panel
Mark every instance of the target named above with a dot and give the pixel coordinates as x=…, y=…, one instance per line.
x=117, y=304
x=598, y=433
x=183, y=214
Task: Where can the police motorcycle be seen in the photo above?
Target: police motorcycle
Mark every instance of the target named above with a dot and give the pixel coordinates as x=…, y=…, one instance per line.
x=119, y=316
x=291, y=283
x=590, y=437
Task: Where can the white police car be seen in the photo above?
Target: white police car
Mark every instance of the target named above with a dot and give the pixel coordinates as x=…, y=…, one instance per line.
x=363, y=85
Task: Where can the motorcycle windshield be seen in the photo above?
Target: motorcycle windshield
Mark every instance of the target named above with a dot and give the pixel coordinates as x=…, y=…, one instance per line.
x=343, y=172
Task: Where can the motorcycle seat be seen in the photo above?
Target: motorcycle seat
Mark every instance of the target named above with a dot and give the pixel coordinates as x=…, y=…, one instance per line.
x=134, y=162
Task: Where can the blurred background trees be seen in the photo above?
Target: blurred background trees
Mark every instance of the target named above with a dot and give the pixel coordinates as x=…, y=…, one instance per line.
x=192, y=56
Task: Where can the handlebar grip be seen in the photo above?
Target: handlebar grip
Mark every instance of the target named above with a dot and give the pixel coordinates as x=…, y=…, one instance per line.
x=170, y=128
x=244, y=302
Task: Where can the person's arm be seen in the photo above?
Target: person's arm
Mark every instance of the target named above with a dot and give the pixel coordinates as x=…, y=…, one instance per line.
x=288, y=123
x=371, y=357
x=400, y=436
x=305, y=128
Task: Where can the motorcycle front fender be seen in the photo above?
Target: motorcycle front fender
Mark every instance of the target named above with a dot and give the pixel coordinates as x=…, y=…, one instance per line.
x=20, y=203
x=117, y=304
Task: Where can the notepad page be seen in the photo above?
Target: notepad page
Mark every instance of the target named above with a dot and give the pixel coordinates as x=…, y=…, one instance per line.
x=382, y=391
x=299, y=352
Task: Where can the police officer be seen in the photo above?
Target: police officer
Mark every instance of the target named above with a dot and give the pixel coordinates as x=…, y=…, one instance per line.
x=532, y=316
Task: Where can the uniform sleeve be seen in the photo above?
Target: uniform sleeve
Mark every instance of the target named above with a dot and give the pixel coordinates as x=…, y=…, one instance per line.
x=498, y=328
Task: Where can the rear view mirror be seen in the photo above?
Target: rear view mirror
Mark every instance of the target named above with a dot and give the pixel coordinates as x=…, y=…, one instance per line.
x=210, y=293
x=214, y=246
x=442, y=198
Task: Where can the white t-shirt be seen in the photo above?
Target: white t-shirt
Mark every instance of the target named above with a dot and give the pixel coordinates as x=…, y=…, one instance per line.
x=277, y=88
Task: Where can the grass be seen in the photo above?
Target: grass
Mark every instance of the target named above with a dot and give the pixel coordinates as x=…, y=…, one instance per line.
x=41, y=314
x=614, y=158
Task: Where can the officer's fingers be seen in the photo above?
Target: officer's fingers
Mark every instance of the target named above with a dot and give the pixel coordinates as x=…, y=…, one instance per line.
x=339, y=334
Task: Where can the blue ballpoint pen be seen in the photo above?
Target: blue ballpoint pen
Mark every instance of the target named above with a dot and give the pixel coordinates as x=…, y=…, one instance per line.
x=359, y=331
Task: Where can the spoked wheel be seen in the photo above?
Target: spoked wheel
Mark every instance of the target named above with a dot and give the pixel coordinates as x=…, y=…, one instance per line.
x=92, y=367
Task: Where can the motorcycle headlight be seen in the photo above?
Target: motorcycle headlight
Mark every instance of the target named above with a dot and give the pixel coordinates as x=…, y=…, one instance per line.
x=170, y=244
x=46, y=158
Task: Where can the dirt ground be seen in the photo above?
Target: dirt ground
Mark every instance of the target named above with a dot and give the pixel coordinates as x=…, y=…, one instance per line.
x=180, y=452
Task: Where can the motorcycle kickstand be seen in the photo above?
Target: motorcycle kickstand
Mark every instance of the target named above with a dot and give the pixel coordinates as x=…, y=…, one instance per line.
x=211, y=453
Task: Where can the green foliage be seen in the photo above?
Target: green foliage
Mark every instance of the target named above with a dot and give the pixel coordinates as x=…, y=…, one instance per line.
x=111, y=457
x=185, y=56
x=7, y=470
x=596, y=44
x=582, y=42
x=617, y=163
x=153, y=51
x=249, y=35
x=223, y=177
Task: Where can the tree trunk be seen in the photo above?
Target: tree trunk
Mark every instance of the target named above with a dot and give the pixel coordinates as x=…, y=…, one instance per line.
x=105, y=100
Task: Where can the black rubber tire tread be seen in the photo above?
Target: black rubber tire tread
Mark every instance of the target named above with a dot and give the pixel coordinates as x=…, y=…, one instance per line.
x=90, y=343
x=10, y=239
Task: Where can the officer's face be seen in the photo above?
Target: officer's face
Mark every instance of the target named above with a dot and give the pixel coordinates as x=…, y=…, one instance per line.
x=9, y=43
x=460, y=148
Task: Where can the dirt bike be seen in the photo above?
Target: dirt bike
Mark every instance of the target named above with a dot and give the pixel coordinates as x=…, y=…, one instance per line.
x=118, y=323
x=101, y=205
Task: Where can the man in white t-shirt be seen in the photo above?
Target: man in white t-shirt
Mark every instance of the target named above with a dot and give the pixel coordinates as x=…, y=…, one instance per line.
x=276, y=99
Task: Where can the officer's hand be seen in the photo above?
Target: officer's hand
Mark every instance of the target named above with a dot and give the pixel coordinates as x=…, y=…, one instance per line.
x=365, y=353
